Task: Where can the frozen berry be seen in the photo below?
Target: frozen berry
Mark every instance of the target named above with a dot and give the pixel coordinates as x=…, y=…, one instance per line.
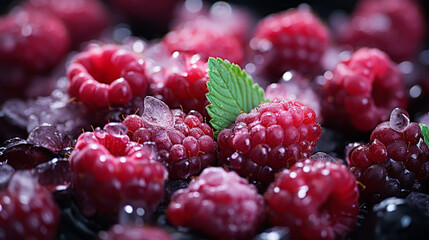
x=84, y=19
x=106, y=75
x=108, y=170
x=314, y=199
x=292, y=40
x=270, y=137
x=185, y=86
x=394, y=163
x=32, y=39
x=219, y=204
x=199, y=38
x=27, y=210
x=397, y=27
x=395, y=219
x=184, y=142
x=362, y=91
x=134, y=232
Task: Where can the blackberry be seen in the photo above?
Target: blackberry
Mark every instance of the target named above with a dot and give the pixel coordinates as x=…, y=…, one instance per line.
x=394, y=163
x=269, y=138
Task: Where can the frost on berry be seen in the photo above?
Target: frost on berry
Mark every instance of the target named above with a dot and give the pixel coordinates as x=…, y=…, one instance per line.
x=157, y=113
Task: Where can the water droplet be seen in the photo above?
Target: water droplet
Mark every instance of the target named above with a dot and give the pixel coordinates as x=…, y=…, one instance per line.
x=157, y=113
x=399, y=120
x=116, y=129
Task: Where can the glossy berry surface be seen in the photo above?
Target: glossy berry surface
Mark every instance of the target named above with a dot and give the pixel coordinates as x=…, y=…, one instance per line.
x=131, y=232
x=270, y=137
x=397, y=27
x=292, y=40
x=362, y=91
x=394, y=162
x=106, y=75
x=32, y=39
x=27, y=210
x=75, y=14
x=109, y=170
x=184, y=143
x=220, y=204
x=315, y=199
x=186, y=86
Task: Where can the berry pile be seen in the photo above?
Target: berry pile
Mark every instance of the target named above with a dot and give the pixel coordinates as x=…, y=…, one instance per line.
x=207, y=120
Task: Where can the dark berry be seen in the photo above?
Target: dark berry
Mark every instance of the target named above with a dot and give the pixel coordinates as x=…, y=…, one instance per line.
x=314, y=199
x=219, y=204
x=270, y=137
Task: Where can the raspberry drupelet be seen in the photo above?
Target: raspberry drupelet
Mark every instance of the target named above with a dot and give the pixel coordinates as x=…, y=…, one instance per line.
x=27, y=209
x=219, y=204
x=106, y=75
x=184, y=142
x=315, y=199
x=292, y=40
x=362, y=91
x=270, y=137
x=109, y=170
x=394, y=162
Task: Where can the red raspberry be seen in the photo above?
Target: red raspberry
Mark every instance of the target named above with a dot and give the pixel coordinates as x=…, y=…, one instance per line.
x=32, y=39
x=185, y=86
x=132, y=232
x=184, y=142
x=394, y=163
x=84, y=19
x=27, y=210
x=200, y=38
x=219, y=204
x=106, y=75
x=109, y=170
x=292, y=40
x=395, y=26
x=314, y=199
x=362, y=91
x=271, y=137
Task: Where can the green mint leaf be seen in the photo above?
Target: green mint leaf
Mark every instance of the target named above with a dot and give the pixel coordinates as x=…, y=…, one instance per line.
x=425, y=132
x=231, y=92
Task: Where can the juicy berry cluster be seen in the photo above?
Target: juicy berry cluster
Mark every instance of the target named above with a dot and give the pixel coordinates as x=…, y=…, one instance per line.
x=109, y=170
x=184, y=143
x=27, y=210
x=220, y=204
x=316, y=199
x=106, y=75
x=270, y=137
x=291, y=40
x=362, y=91
x=395, y=162
x=187, y=87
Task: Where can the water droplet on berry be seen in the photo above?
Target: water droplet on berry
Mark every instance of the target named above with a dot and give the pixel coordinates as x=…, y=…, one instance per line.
x=157, y=113
x=48, y=136
x=132, y=213
x=116, y=129
x=399, y=120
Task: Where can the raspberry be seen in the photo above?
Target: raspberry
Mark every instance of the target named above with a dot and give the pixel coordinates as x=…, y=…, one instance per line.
x=292, y=40
x=187, y=87
x=109, y=170
x=397, y=27
x=84, y=19
x=131, y=232
x=362, y=91
x=394, y=163
x=106, y=75
x=184, y=142
x=219, y=204
x=271, y=137
x=32, y=39
x=200, y=38
x=314, y=199
x=27, y=210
